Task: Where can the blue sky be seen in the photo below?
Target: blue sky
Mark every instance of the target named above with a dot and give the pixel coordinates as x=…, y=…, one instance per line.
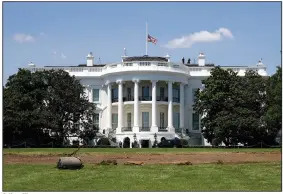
x=62, y=33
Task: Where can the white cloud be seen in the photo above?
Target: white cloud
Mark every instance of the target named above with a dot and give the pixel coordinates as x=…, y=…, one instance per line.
x=54, y=52
x=63, y=56
x=197, y=37
x=42, y=34
x=21, y=38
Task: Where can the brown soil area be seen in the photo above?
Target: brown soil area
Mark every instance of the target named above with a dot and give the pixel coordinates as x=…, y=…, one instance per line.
x=154, y=158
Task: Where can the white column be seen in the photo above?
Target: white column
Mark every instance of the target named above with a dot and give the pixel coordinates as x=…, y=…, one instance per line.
x=109, y=106
x=170, y=108
x=120, y=106
x=182, y=105
x=136, y=106
x=154, y=127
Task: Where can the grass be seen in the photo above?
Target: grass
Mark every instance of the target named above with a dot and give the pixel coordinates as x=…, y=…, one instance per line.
x=207, y=177
x=56, y=151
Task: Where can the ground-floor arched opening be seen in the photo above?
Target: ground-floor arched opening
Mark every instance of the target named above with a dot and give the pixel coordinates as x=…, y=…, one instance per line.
x=126, y=143
x=145, y=143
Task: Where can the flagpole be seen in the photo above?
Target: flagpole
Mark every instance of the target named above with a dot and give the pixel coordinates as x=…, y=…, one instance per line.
x=146, y=39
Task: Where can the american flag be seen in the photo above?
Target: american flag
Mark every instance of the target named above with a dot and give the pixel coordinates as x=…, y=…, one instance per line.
x=151, y=39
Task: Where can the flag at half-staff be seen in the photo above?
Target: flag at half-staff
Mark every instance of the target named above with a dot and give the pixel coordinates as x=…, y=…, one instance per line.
x=151, y=39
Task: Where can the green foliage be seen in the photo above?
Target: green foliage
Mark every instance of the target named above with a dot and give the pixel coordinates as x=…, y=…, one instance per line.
x=273, y=117
x=233, y=107
x=46, y=100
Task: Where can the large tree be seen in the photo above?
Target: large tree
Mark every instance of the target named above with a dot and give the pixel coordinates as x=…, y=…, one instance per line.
x=23, y=98
x=273, y=116
x=232, y=106
x=50, y=100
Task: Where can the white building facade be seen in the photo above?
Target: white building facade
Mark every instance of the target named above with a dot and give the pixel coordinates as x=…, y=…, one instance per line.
x=146, y=98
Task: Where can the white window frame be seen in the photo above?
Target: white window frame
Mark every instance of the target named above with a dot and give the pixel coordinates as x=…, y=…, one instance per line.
x=92, y=91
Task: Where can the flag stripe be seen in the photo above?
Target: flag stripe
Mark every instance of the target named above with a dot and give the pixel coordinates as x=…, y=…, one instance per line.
x=151, y=39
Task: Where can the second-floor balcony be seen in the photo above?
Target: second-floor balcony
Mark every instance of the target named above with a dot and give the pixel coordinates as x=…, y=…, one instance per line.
x=146, y=98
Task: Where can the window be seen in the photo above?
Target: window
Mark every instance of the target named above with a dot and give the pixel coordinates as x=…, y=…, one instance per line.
x=95, y=95
x=176, y=95
x=114, y=94
x=193, y=93
x=176, y=120
x=129, y=119
x=145, y=119
x=129, y=93
x=162, y=92
x=114, y=120
x=162, y=120
x=145, y=91
x=195, y=121
x=96, y=120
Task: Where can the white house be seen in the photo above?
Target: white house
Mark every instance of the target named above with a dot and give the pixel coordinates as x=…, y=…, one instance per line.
x=145, y=97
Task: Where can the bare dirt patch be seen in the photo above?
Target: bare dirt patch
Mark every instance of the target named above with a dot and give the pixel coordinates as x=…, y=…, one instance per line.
x=149, y=158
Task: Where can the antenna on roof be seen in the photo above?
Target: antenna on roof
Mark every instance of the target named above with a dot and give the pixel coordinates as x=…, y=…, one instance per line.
x=99, y=61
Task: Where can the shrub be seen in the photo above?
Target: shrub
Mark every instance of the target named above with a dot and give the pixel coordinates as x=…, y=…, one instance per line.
x=103, y=141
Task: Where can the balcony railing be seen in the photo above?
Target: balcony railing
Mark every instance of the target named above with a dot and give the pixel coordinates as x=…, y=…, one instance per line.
x=162, y=129
x=128, y=98
x=176, y=99
x=144, y=129
x=115, y=99
x=162, y=98
x=145, y=98
x=126, y=129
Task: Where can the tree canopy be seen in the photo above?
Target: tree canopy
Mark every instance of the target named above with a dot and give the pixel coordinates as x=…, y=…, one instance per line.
x=234, y=107
x=50, y=100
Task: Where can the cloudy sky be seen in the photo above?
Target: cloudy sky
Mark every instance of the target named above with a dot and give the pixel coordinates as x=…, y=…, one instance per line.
x=229, y=33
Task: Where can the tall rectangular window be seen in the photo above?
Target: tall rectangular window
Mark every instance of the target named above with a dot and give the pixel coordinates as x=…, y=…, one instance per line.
x=114, y=93
x=162, y=92
x=176, y=120
x=194, y=93
x=176, y=94
x=114, y=120
x=162, y=120
x=129, y=119
x=96, y=120
x=95, y=95
x=195, y=121
x=145, y=91
x=145, y=119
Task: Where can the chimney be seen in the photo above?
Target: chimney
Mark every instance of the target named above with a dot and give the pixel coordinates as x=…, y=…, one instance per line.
x=201, y=59
x=89, y=59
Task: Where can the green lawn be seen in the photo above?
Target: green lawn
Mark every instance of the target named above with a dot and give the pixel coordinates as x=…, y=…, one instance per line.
x=208, y=177
x=54, y=151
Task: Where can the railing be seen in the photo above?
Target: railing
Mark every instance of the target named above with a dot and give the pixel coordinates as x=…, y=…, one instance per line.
x=145, y=98
x=128, y=98
x=162, y=129
x=115, y=99
x=144, y=129
x=162, y=98
x=126, y=129
x=176, y=99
